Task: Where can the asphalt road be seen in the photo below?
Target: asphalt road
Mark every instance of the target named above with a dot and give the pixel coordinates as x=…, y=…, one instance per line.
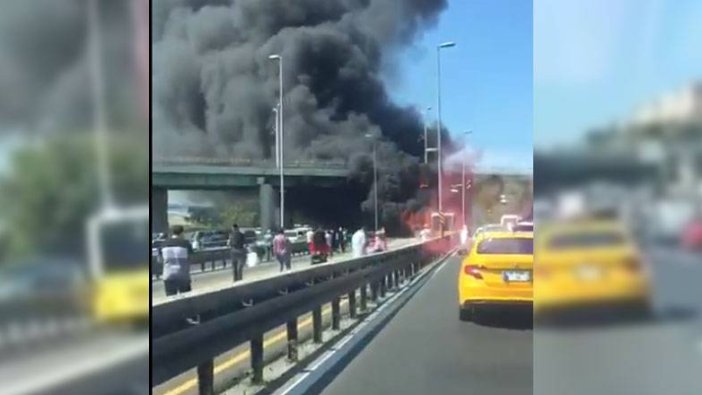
x=209, y=281
x=425, y=349
x=101, y=362
x=662, y=355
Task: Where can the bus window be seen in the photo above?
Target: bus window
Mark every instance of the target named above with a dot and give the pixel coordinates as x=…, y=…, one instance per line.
x=124, y=245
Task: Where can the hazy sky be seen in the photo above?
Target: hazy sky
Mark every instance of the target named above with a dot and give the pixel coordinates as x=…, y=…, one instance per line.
x=595, y=61
x=486, y=78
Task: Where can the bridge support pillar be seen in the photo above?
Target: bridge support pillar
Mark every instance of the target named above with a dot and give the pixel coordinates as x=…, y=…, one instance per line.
x=292, y=340
x=336, y=314
x=317, y=325
x=205, y=378
x=159, y=209
x=267, y=205
x=257, y=359
x=352, y=304
x=364, y=297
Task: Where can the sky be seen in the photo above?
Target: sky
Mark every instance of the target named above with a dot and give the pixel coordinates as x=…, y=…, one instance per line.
x=486, y=78
x=596, y=61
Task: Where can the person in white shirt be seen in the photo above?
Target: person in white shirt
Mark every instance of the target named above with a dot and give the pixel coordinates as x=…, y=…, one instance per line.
x=328, y=238
x=358, y=243
x=464, y=235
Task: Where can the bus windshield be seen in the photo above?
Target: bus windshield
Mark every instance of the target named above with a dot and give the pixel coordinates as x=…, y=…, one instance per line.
x=124, y=246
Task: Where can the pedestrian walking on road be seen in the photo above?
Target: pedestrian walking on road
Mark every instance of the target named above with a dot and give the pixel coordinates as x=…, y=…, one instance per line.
x=282, y=249
x=342, y=239
x=238, y=247
x=268, y=239
x=329, y=238
x=176, y=253
x=336, y=236
x=359, y=243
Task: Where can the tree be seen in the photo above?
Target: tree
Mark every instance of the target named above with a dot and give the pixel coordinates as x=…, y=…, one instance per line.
x=239, y=214
x=51, y=189
x=204, y=216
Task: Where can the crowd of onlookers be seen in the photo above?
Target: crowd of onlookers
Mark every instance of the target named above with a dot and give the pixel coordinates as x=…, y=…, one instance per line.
x=175, y=252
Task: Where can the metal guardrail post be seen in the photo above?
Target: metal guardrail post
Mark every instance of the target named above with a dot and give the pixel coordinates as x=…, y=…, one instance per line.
x=205, y=378
x=382, y=286
x=317, y=324
x=257, y=359
x=292, y=340
x=374, y=291
x=364, y=297
x=352, y=304
x=336, y=314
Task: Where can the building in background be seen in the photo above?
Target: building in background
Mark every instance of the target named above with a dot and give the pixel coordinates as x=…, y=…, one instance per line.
x=666, y=133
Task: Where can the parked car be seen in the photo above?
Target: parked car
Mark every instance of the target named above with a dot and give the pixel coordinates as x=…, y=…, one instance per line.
x=203, y=239
x=691, y=238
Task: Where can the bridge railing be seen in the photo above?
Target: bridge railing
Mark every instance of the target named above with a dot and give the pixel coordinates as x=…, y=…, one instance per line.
x=209, y=259
x=233, y=316
x=245, y=162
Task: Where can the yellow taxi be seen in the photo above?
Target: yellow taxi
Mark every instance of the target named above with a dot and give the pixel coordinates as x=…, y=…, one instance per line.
x=589, y=263
x=496, y=272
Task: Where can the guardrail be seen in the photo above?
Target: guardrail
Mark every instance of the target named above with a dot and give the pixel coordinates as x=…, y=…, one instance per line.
x=230, y=317
x=32, y=319
x=211, y=257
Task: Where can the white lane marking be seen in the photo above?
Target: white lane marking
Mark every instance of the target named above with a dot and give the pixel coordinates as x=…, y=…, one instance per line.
x=77, y=369
x=442, y=264
x=335, y=348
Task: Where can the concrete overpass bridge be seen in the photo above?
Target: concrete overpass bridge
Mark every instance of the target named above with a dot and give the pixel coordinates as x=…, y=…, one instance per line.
x=219, y=175
x=222, y=174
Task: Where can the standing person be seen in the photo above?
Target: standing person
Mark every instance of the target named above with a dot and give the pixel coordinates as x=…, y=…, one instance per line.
x=282, y=250
x=330, y=243
x=464, y=236
x=238, y=247
x=336, y=235
x=342, y=239
x=358, y=243
x=268, y=239
x=176, y=253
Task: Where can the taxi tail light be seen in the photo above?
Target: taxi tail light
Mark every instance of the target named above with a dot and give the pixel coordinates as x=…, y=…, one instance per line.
x=632, y=264
x=473, y=271
x=541, y=271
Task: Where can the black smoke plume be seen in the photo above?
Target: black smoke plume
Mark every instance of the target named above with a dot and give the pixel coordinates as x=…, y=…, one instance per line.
x=214, y=87
x=44, y=72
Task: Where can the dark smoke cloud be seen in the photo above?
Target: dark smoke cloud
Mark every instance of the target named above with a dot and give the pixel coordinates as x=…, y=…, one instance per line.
x=43, y=67
x=214, y=87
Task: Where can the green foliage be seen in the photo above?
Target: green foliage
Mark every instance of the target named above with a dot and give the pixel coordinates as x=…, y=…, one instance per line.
x=52, y=188
x=204, y=216
x=239, y=214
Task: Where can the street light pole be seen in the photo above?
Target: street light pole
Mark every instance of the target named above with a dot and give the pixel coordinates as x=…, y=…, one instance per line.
x=281, y=113
x=375, y=181
x=426, y=142
x=277, y=137
x=463, y=183
x=97, y=84
x=438, y=110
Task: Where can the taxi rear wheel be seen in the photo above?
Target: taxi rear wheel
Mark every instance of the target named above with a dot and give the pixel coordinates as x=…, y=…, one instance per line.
x=465, y=313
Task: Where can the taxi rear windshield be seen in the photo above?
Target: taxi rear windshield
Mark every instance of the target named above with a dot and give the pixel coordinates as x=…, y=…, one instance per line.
x=516, y=245
x=587, y=240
